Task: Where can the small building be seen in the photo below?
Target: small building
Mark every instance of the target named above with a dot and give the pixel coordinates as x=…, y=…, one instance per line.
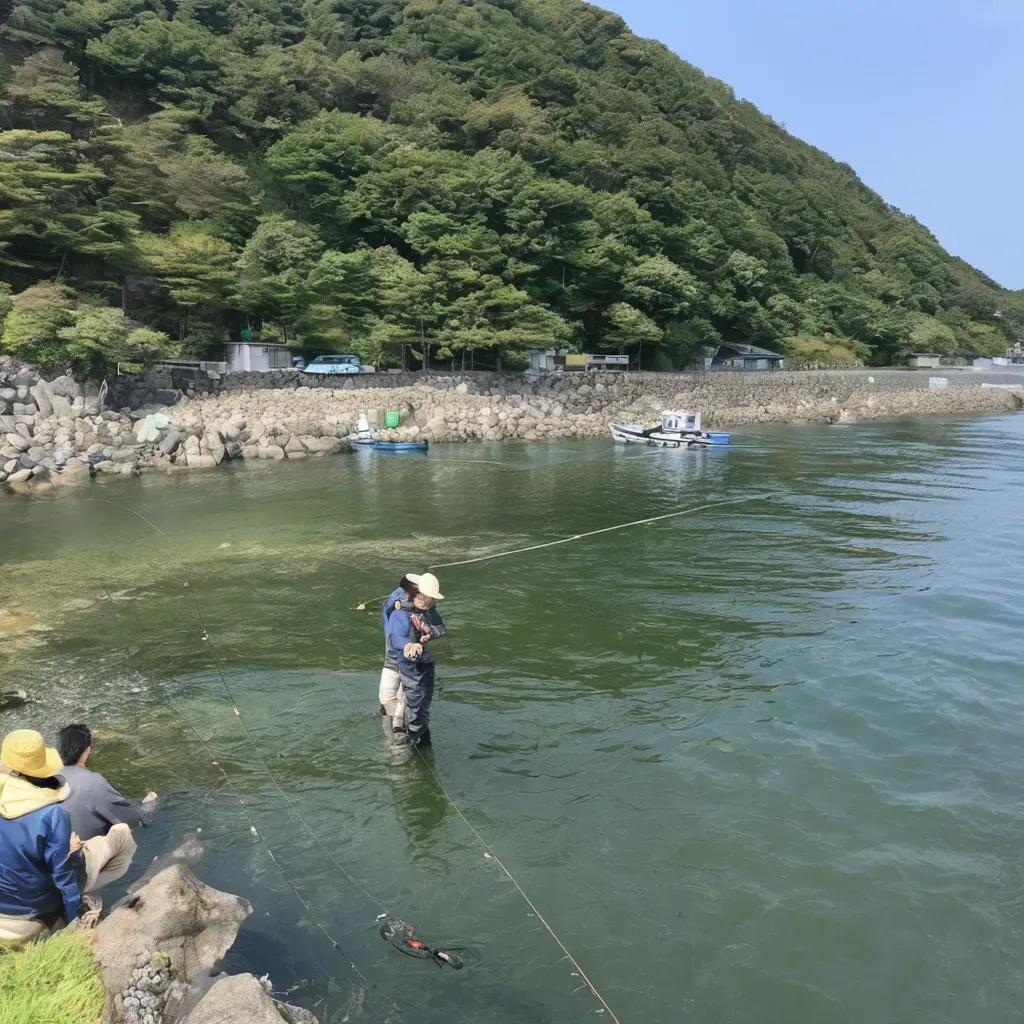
x=542, y=360
x=730, y=356
x=603, y=362
x=243, y=356
x=924, y=360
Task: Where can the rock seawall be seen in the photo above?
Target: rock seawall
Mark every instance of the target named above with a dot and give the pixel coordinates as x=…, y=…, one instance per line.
x=489, y=407
x=50, y=433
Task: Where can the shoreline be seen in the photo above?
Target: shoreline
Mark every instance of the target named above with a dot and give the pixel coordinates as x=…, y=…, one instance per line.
x=52, y=434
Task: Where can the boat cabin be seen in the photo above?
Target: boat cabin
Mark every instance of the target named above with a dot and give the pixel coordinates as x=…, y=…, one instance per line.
x=684, y=422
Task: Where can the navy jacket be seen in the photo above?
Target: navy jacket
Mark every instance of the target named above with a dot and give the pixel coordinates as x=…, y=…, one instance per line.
x=37, y=873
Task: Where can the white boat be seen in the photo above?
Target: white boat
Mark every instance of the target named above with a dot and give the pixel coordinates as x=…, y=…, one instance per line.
x=677, y=430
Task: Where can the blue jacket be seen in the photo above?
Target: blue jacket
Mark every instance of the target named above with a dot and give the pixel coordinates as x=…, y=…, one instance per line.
x=401, y=631
x=37, y=872
x=389, y=606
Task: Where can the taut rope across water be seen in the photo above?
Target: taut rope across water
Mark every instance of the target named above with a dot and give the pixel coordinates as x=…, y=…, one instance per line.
x=488, y=852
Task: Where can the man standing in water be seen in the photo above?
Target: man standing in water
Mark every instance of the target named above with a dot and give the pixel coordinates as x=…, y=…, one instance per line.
x=409, y=633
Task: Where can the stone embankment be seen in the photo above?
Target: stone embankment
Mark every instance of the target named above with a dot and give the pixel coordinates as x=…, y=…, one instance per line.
x=491, y=407
x=50, y=432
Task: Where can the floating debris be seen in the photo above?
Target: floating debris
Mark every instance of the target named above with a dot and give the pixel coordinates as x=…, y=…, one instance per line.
x=400, y=935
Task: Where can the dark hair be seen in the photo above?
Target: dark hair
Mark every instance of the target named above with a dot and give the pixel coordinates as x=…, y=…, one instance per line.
x=73, y=742
x=53, y=782
x=409, y=587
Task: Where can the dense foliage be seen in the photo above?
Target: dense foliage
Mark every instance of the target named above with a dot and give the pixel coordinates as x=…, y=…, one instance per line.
x=473, y=174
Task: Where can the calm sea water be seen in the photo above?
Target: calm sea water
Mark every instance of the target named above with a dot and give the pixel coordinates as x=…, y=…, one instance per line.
x=762, y=763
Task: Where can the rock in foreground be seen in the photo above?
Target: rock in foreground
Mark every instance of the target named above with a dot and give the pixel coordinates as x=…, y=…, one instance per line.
x=157, y=951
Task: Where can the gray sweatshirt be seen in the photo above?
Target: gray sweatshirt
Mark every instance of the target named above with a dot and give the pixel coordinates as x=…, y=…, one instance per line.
x=94, y=804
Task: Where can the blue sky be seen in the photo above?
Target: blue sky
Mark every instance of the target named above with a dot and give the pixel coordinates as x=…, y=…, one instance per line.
x=925, y=98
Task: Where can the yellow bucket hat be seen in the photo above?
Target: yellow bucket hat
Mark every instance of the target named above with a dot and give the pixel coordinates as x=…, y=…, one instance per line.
x=25, y=751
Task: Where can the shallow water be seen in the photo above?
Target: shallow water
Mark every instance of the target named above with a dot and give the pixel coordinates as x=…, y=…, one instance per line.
x=756, y=764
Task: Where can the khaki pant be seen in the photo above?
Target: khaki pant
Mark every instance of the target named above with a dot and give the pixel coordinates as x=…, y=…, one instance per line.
x=23, y=929
x=392, y=696
x=108, y=857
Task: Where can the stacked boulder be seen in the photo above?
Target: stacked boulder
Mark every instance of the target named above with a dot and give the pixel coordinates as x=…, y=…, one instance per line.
x=50, y=433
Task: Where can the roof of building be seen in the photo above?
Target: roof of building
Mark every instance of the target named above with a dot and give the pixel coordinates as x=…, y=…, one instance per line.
x=750, y=351
x=925, y=355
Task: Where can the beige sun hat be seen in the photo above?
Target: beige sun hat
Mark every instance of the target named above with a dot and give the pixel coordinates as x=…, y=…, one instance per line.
x=427, y=585
x=25, y=752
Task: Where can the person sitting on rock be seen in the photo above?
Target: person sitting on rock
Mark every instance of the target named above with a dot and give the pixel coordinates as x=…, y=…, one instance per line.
x=39, y=874
x=101, y=819
x=409, y=633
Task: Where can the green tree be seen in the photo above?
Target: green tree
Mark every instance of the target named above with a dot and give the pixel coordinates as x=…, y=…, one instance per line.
x=928, y=335
x=198, y=269
x=274, y=270
x=629, y=326
x=50, y=206
x=31, y=330
x=390, y=169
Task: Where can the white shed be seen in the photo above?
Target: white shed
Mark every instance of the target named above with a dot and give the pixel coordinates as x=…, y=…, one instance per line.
x=924, y=360
x=255, y=355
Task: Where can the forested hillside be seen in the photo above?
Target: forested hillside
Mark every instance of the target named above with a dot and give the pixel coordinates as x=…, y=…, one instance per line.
x=481, y=175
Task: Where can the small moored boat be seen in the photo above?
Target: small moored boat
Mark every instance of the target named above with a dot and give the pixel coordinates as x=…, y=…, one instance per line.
x=676, y=430
x=399, y=446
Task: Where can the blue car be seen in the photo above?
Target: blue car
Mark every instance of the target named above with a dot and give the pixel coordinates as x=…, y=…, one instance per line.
x=336, y=364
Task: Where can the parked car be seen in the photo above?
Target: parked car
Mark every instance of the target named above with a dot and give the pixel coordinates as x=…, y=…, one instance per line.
x=336, y=364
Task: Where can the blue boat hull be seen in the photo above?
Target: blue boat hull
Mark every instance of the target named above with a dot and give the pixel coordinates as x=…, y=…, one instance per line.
x=399, y=446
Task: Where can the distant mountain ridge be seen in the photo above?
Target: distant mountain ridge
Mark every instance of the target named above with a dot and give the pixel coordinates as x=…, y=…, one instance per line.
x=480, y=175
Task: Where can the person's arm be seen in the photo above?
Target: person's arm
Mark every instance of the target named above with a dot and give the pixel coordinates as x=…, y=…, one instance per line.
x=400, y=629
x=61, y=862
x=387, y=609
x=434, y=624
x=429, y=625
x=116, y=809
x=402, y=634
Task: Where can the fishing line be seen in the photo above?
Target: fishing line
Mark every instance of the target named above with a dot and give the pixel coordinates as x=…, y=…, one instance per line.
x=491, y=855
x=241, y=803
x=253, y=830
x=576, y=536
x=594, y=533
x=270, y=775
x=234, y=707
